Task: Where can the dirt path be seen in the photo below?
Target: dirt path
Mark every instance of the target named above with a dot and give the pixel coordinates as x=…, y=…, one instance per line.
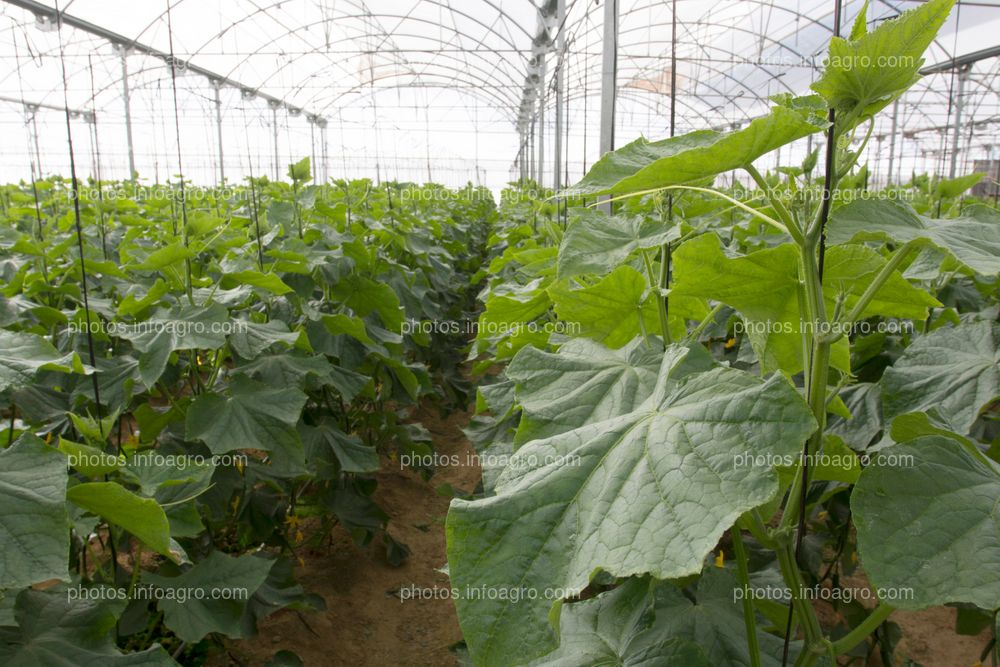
x=366, y=622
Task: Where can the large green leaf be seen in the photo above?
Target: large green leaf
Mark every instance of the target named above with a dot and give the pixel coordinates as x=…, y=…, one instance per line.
x=34, y=524
x=973, y=239
x=865, y=74
x=643, y=165
x=612, y=311
x=54, y=631
x=143, y=517
x=212, y=596
x=254, y=416
x=614, y=629
x=250, y=339
x=586, y=382
x=596, y=242
x=23, y=354
x=182, y=328
x=648, y=491
x=954, y=370
x=714, y=620
x=763, y=286
x=928, y=524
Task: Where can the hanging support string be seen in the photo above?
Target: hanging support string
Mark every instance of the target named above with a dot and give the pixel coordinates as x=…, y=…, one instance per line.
x=254, y=213
x=180, y=163
x=35, y=159
x=97, y=158
x=74, y=185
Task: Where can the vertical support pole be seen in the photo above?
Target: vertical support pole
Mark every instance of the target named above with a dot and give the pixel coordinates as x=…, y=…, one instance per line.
x=557, y=174
x=274, y=124
x=892, y=141
x=218, y=128
x=531, y=158
x=541, y=119
x=312, y=147
x=128, y=113
x=963, y=75
x=322, y=135
x=609, y=79
x=34, y=132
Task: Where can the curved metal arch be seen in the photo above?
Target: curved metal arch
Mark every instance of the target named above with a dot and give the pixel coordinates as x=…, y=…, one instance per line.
x=464, y=62
x=474, y=85
x=361, y=16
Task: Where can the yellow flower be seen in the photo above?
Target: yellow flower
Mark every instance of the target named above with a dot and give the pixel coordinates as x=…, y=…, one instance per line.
x=720, y=558
x=731, y=343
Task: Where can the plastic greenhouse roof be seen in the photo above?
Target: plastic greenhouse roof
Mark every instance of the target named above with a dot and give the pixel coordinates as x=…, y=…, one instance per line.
x=432, y=89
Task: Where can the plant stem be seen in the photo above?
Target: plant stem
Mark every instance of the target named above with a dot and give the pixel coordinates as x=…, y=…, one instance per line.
x=863, y=629
x=776, y=204
x=749, y=617
x=661, y=305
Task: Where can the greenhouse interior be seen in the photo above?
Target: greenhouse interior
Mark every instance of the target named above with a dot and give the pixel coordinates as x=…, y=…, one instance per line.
x=500, y=332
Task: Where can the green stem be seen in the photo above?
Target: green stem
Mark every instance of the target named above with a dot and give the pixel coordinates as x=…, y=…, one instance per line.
x=863, y=629
x=776, y=204
x=664, y=283
x=705, y=322
x=749, y=617
x=661, y=305
x=800, y=605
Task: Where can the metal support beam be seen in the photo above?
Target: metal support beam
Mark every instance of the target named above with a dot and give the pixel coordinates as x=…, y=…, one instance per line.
x=609, y=80
x=892, y=141
x=218, y=126
x=557, y=174
x=541, y=119
x=322, y=137
x=963, y=76
x=119, y=41
x=274, y=124
x=127, y=98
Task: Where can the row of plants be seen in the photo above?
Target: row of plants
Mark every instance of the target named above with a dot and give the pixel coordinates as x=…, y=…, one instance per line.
x=712, y=412
x=199, y=383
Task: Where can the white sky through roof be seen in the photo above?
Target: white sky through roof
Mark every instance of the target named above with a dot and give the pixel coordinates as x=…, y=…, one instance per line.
x=429, y=89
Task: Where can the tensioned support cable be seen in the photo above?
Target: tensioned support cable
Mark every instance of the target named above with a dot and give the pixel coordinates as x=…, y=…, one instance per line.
x=75, y=190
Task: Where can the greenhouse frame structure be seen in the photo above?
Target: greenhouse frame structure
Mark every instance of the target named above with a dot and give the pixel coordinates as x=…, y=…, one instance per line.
x=541, y=89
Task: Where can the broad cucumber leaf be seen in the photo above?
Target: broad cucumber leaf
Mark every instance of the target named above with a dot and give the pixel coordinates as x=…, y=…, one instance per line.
x=596, y=242
x=266, y=281
x=585, y=382
x=34, y=524
x=864, y=74
x=349, y=453
x=643, y=165
x=365, y=296
x=508, y=312
x=952, y=187
x=973, y=239
x=952, y=370
x=251, y=338
x=614, y=629
x=23, y=354
x=143, y=517
x=612, y=311
x=763, y=286
x=212, y=596
x=56, y=632
x=714, y=620
x=649, y=491
x=285, y=369
x=253, y=416
x=90, y=461
x=182, y=328
x=163, y=257
x=927, y=522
